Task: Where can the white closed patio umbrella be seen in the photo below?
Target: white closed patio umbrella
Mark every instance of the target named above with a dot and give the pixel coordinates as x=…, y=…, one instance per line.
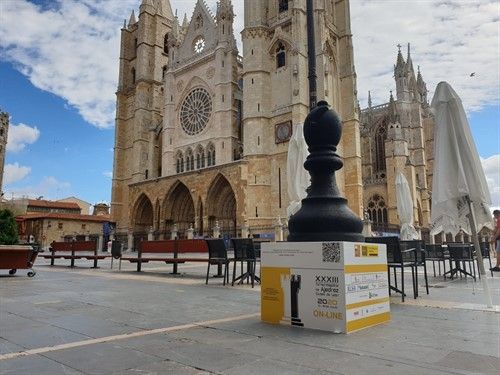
x=297, y=176
x=460, y=194
x=405, y=208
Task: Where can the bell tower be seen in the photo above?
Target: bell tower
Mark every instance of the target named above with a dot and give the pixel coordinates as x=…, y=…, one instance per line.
x=276, y=95
x=139, y=105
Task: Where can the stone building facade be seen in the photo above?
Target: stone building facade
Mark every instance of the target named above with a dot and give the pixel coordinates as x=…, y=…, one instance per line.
x=4, y=131
x=43, y=221
x=398, y=137
x=202, y=132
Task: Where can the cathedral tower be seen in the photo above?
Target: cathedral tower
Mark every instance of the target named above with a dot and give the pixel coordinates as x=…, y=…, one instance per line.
x=398, y=137
x=276, y=95
x=4, y=130
x=139, y=112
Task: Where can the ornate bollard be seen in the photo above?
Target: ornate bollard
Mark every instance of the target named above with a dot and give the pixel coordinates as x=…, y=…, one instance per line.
x=324, y=215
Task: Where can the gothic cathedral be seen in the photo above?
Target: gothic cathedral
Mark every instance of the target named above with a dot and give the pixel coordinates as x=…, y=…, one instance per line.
x=202, y=131
x=398, y=137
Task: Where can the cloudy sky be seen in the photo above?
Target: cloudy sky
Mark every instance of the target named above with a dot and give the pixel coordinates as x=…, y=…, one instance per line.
x=59, y=68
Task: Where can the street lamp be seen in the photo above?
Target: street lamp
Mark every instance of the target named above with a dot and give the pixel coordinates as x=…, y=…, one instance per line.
x=324, y=215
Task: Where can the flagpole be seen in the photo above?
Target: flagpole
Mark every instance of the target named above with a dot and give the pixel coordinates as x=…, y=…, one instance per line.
x=482, y=272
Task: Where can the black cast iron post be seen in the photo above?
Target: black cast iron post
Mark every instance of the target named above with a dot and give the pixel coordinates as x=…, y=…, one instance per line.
x=311, y=52
x=324, y=215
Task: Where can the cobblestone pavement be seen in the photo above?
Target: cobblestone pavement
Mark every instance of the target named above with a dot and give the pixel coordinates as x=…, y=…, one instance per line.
x=103, y=321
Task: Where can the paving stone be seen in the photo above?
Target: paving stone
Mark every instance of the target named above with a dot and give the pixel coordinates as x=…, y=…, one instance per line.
x=36, y=337
x=9, y=347
x=472, y=362
x=35, y=365
x=63, y=305
x=103, y=358
x=162, y=368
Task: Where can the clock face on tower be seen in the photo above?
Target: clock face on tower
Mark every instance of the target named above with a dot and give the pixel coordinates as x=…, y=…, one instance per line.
x=199, y=45
x=283, y=132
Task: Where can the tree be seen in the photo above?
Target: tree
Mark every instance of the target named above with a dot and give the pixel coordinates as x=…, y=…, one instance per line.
x=8, y=228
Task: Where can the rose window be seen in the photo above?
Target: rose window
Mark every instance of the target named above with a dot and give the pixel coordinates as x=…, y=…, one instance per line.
x=196, y=111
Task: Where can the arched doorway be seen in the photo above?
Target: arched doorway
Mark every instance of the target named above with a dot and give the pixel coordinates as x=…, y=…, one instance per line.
x=142, y=219
x=221, y=206
x=179, y=210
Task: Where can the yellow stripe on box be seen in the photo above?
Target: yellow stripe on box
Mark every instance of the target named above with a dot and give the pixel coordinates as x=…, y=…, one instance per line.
x=354, y=325
x=365, y=268
x=367, y=303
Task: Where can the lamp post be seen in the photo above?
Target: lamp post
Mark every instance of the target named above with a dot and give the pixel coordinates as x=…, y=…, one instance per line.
x=324, y=215
x=311, y=52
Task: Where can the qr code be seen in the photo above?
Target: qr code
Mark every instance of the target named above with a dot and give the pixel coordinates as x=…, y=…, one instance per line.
x=331, y=252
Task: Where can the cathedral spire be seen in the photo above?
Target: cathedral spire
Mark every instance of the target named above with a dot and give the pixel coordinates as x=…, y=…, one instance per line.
x=393, y=113
x=164, y=9
x=369, y=99
x=175, y=26
x=132, y=19
x=409, y=62
x=400, y=64
x=147, y=5
x=421, y=87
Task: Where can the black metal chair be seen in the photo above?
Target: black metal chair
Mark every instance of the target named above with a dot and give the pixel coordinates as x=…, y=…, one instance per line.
x=436, y=253
x=217, y=255
x=244, y=252
x=419, y=247
x=397, y=258
x=460, y=254
x=116, y=253
x=485, y=252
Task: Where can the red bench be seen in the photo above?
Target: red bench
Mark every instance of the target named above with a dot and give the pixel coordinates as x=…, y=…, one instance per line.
x=73, y=248
x=16, y=257
x=169, y=251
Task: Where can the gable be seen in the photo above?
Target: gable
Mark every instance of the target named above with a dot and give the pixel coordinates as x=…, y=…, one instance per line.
x=201, y=28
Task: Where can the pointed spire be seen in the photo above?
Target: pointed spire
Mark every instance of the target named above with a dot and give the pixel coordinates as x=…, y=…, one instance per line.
x=175, y=26
x=147, y=5
x=400, y=63
x=185, y=22
x=419, y=76
x=421, y=87
x=393, y=114
x=164, y=9
x=132, y=19
x=225, y=10
x=369, y=99
x=409, y=62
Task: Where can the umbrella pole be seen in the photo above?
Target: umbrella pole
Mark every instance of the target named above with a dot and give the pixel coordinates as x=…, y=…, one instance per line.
x=475, y=239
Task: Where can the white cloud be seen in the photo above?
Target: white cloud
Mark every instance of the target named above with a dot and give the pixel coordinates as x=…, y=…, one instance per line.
x=49, y=187
x=21, y=135
x=15, y=172
x=108, y=174
x=491, y=168
x=450, y=40
x=71, y=47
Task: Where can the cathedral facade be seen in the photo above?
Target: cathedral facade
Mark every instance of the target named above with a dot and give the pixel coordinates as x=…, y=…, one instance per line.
x=398, y=137
x=202, y=132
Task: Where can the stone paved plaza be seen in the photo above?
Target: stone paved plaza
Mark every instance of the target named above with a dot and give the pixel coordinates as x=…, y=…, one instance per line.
x=103, y=321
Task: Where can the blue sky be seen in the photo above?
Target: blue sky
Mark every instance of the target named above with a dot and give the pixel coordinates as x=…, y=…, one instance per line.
x=70, y=157
x=59, y=65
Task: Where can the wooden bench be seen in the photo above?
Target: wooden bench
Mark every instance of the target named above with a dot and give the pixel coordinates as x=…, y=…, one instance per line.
x=73, y=248
x=169, y=251
x=17, y=257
